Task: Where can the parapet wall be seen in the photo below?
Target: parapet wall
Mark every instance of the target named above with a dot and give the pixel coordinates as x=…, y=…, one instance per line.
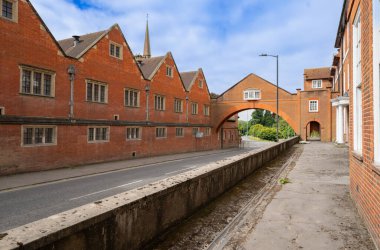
x=132, y=219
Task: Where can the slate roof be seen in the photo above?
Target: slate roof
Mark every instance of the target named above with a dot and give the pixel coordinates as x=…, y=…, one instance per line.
x=85, y=43
x=188, y=78
x=317, y=73
x=150, y=65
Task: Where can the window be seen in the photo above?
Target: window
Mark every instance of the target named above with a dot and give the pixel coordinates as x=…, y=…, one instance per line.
x=207, y=131
x=160, y=132
x=357, y=83
x=98, y=134
x=179, y=132
x=2, y=111
x=194, y=108
x=316, y=84
x=206, y=110
x=37, y=82
x=252, y=94
x=38, y=135
x=9, y=9
x=195, y=131
x=169, y=71
x=116, y=50
x=133, y=133
x=131, y=98
x=178, y=105
x=97, y=92
x=159, y=102
x=200, y=84
x=313, y=106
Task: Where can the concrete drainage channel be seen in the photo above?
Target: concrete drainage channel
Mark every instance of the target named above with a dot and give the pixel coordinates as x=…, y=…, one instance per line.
x=133, y=219
x=224, y=223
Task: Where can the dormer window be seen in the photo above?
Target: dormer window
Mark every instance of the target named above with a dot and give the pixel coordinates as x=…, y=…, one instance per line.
x=9, y=9
x=316, y=84
x=252, y=94
x=116, y=50
x=169, y=71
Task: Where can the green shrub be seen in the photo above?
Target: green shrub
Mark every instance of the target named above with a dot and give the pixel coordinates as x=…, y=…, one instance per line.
x=268, y=134
x=255, y=130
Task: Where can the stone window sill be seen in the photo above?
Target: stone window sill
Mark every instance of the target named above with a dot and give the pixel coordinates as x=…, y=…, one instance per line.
x=357, y=156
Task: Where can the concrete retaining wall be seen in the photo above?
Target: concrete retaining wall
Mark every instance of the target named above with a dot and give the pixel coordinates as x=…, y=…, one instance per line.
x=132, y=219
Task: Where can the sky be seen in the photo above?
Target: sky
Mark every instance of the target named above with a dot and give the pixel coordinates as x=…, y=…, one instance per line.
x=223, y=37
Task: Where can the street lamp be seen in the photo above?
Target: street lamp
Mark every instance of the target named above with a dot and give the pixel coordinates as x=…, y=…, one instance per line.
x=276, y=56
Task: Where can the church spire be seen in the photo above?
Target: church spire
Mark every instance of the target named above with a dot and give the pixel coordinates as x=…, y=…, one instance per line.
x=147, y=53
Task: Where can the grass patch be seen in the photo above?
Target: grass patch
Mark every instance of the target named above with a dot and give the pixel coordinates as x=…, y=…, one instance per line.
x=284, y=181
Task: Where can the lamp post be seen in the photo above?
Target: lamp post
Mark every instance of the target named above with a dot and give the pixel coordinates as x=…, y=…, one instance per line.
x=276, y=56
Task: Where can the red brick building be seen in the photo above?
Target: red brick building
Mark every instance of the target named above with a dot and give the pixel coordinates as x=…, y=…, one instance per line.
x=87, y=99
x=358, y=43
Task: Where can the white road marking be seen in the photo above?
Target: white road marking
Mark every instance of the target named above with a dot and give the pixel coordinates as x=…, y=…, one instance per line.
x=181, y=170
x=105, y=190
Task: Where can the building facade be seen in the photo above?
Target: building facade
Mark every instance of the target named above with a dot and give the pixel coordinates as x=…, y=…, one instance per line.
x=358, y=43
x=88, y=99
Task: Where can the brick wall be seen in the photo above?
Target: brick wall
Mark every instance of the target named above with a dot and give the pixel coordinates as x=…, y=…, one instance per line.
x=364, y=176
x=28, y=42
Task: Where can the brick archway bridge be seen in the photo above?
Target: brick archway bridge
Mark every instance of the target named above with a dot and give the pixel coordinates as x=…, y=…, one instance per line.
x=253, y=92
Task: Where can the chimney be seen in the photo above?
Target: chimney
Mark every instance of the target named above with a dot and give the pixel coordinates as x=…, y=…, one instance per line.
x=76, y=40
x=139, y=59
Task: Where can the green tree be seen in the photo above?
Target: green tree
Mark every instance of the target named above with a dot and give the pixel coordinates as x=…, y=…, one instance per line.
x=284, y=130
x=268, y=119
x=242, y=126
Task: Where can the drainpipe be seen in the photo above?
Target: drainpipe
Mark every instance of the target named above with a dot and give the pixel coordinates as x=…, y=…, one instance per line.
x=71, y=72
x=187, y=107
x=147, y=90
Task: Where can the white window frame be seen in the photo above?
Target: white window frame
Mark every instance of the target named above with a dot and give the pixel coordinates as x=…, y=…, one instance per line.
x=252, y=94
x=159, y=102
x=98, y=99
x=317, y=84
x=182, y=134
x=113, y=54
x=376, y=81
x=194, y=131
x=159, y=134
x=194, y=108
x=2, y=110
x=178, y=105
x=33, y=71
x=43, y=143
x=207, y=132
x=169, y=71
x=133, y=133
x=206, y=110
x=131, y=102
x=312, y=104
x=92, y=138
x=357, y=81
x=14, y=10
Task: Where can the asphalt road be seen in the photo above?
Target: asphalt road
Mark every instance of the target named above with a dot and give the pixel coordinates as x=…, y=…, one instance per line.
x=25, y=205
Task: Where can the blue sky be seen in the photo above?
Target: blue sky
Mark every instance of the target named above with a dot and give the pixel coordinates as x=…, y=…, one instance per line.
x=223, y=37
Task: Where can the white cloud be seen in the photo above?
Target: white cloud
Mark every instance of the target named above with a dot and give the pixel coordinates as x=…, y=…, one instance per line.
x=223, y=37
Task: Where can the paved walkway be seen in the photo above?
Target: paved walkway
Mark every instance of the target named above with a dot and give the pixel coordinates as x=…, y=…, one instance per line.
x=315, y=210
x=27, y=179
